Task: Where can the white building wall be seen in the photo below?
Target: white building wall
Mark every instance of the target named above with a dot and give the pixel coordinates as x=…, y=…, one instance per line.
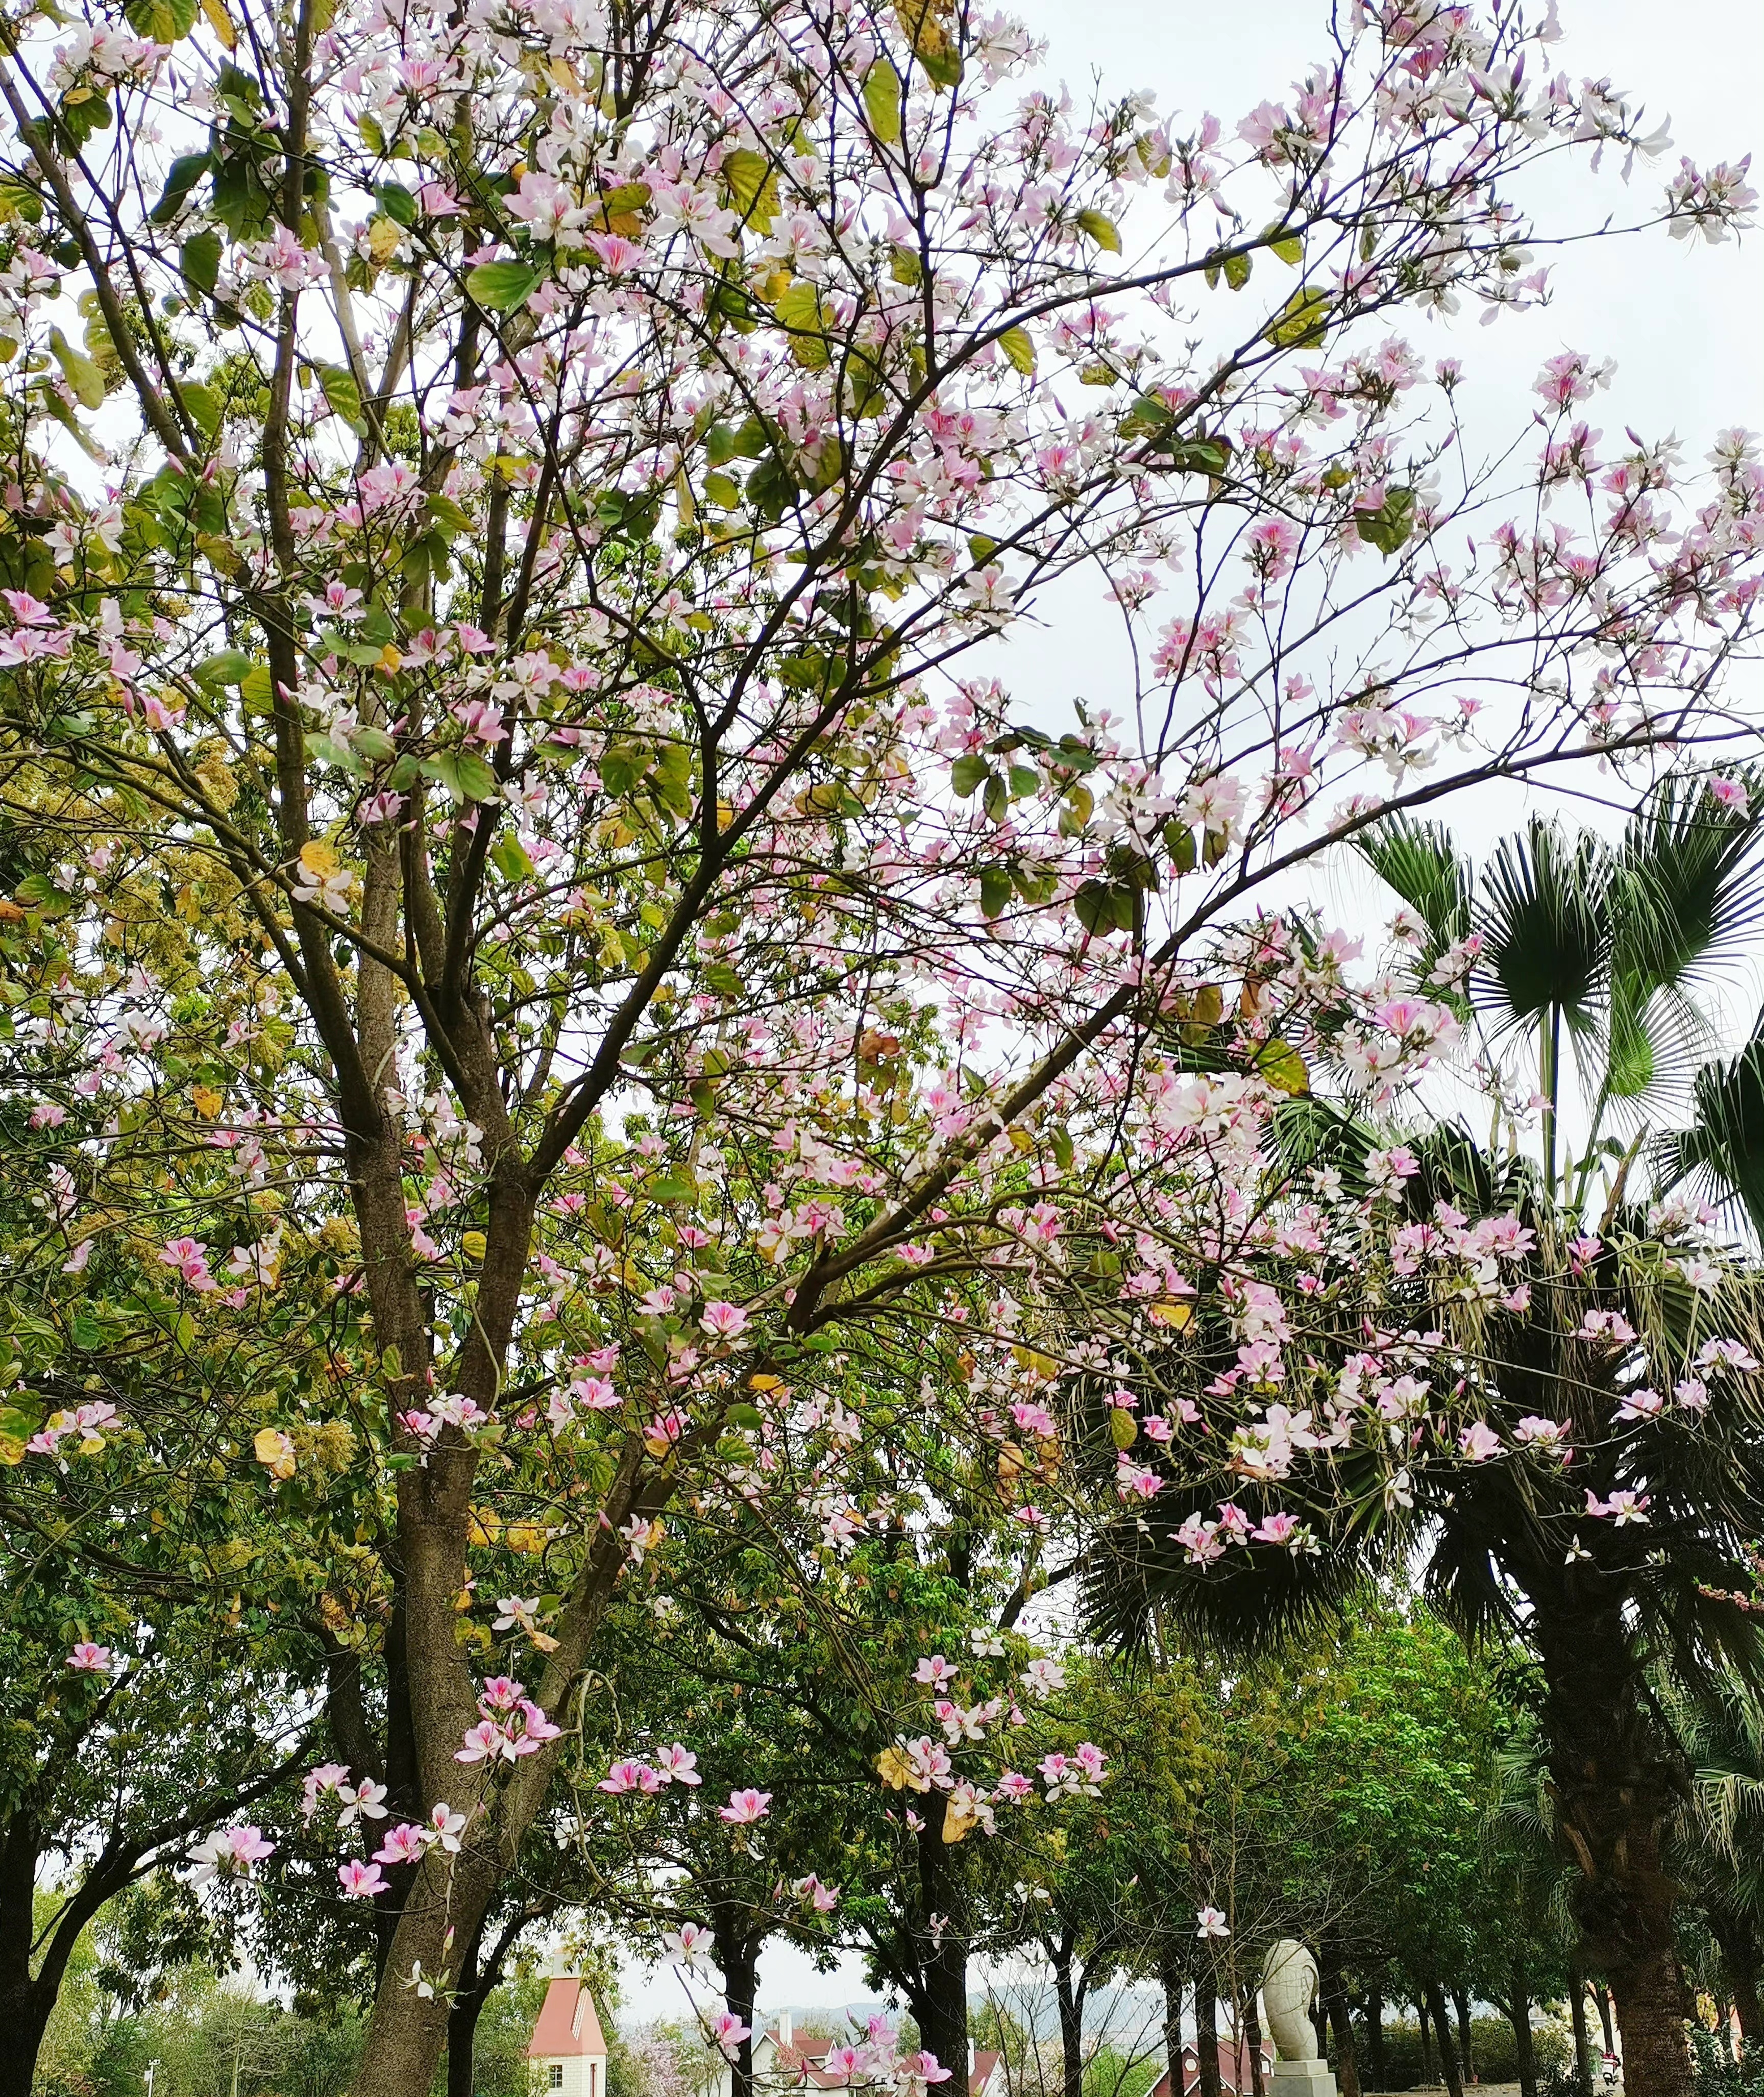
x=585, y=2075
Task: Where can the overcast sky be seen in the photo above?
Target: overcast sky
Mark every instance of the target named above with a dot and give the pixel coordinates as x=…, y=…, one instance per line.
x=1684, y=324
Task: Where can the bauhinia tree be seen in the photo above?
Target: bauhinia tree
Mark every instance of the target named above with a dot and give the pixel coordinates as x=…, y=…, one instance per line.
x=505, y=512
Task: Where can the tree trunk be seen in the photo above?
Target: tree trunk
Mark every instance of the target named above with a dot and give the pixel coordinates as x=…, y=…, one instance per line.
x=1333, y=1989
x=1519, y=2016
x=1461, y=2001
x=461, y=2039
x=940, y=2001
x=1206, y=2031
x=1424, y=2028
x=1651, y=2016
x=738, y=1948
x=1375, y=2059
x=1740, y=1956
x=1174, y=1982
x=1071, y=2022
x=1449, y=2072
x=1252, y=2031
x=1375, y=2050
x=1602, y=1996
x=1577, y=2013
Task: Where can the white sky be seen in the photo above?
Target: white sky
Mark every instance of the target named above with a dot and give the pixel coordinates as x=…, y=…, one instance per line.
x=1685, y=326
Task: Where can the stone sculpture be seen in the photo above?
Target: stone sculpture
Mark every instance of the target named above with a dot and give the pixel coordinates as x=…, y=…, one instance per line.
x=1289, y=1988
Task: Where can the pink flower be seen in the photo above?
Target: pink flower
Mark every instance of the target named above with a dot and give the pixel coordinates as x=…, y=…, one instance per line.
x=404, y=1845
x=678, y=1765
x=1731, y=795
x=933, y=1670
x=482, y=1743
x=626, y=1777
x=728, y=2031
x=445, y=1826
x=1210, y=1922
x=1479, y=1442
x=190, y=1256
x=89, y=1659
x=745, y=1807
x=229, y=1853
x=724, y=1321
x=360, y=1881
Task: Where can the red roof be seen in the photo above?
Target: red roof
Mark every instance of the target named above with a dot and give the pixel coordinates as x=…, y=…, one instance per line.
x=567, y=2024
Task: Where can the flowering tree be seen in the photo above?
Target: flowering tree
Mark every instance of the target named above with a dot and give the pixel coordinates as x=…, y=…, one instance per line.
x=547, y=470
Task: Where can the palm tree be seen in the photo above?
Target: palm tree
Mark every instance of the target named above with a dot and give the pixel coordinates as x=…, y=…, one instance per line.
x=1598, y=952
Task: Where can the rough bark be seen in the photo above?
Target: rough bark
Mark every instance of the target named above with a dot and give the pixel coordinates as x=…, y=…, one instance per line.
x=1449, y=2071
x=1424, y=2025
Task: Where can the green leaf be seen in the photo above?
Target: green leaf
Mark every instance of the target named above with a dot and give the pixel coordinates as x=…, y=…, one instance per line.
x=1288, y=246
x=180, y=178
x=753, y=186
x=232, y=666
x=399, y=206
x=970, y=772
x=881, y=102
x=199, y=258
x=161, y=21
x=1016, y=346
x=1101, y=229
x=500, y=286
x=464, y=774
x=995, y=892
x=509, y=856
x=1389, y=527
x=748, y=1417
x=344, y=395
x=670, y=1189
x=799, y=308
x=82, y=375
x=1236, y=271
x=1303, y=320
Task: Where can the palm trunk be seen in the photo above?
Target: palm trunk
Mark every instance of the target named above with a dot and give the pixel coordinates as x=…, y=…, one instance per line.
x=1207, y=2032
x=1448, y=2059
x=1603, y=1997
x=1617, y=1781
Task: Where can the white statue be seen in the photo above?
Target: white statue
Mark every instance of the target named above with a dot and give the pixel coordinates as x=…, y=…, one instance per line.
x=1289, y=1988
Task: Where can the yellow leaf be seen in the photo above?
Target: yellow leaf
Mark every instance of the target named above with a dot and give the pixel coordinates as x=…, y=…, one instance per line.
x=1016, y=346
x=275, y=1451
x=1123, y=1430
x=319, y=859
x=1177, y=1316
x=221, y=23
x=960, y=1818
x=765, y=1383
x=473, y=1244
x=483, y=1525
x=526, y=1537
x=205, y=1101
x=894, y=1771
